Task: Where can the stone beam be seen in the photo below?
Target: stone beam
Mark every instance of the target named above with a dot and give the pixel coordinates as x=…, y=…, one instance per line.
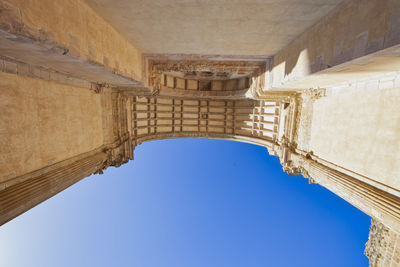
x=357, y=39
x=70, y=38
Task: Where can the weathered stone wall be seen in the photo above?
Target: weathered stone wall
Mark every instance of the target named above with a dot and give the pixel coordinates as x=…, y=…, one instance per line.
x=74, y=25
x=44, y=122
x=383, y=246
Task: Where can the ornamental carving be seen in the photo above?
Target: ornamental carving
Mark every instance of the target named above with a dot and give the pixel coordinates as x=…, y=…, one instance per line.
x=198, y=69
x=294, y=170
x=314, y=93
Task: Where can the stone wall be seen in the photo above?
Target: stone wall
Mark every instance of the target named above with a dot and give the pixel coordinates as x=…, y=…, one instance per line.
x=45, y=122
x=361, y=120
x=383, y=246
x=74, y=25
x=354, y=29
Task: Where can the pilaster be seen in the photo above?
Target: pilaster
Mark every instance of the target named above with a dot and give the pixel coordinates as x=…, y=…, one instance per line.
x=24, y=192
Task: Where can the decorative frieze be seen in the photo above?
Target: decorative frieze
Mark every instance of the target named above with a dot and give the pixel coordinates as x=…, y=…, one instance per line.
x=157, y=66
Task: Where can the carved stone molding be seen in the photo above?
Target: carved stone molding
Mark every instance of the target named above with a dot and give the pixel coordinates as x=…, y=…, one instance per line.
x=304, y=116
x=314, y=93
x=371, y=200
x=163, y=117
x=296, y=164
x=99, y=87
x=155, y=66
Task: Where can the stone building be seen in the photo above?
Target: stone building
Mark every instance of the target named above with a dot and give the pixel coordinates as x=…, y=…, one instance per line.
x=83, y=82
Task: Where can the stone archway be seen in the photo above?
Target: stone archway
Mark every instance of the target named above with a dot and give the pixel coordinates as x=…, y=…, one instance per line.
x=78, y=100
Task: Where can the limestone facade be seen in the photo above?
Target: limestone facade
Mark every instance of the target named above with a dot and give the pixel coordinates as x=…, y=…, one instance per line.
x=76, y=102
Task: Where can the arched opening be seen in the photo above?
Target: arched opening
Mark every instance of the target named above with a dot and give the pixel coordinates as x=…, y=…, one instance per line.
x=192, y=203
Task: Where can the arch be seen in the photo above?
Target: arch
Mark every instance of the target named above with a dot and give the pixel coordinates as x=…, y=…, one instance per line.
x=251, y=121
x=249, y=140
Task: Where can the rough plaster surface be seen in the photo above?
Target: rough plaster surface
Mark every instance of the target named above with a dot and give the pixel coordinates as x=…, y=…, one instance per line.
x=43, y=122
x=358, y=127
x=239, y=27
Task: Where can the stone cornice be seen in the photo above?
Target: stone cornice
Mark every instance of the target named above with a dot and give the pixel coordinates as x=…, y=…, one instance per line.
x=155, y=65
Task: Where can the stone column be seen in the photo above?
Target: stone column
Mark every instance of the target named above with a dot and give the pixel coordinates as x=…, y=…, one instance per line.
x=373, y=201
x=23, y=193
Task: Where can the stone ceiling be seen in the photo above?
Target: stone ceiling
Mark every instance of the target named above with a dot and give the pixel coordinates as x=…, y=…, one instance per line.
x=221, y=27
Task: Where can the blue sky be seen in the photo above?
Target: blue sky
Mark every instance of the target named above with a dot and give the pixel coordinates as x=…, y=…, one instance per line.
x=190, y=203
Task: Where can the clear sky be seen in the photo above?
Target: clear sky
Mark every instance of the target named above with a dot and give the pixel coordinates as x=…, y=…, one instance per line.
x=190, y=203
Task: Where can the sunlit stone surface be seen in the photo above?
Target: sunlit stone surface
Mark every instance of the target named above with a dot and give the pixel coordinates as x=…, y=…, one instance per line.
x=316, y=82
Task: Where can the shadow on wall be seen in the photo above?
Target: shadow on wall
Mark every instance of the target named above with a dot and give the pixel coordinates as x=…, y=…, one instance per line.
x=354, y=29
